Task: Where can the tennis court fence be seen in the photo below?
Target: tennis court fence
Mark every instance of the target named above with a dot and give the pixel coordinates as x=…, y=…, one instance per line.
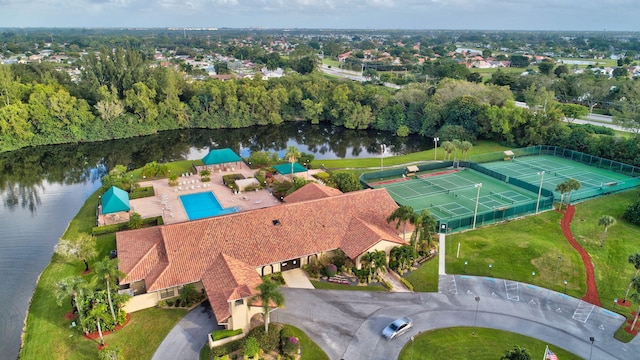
x=396, y=172
x=577, y=156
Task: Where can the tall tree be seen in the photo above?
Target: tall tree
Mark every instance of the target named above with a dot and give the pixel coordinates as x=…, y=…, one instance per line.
x=76, y=288
x=635, y=297
x=98, y=313
x=424, y=223
x=107, y=273
x=573, y=185
x=635, y=261
x=448, y=148
x=562, y=188
x=269, y=293
x=83, y=249
x=401, y=215
x=292, y=155
x=606, y=221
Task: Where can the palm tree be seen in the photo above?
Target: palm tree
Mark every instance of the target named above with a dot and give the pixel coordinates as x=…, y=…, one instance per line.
x=635, y=297
x=292, y=155
x=269, y=293
x=423, y=222
x=635, y=261
x=517, y=353
x=367, y=261
x=465, y=147
x=107, y=273
x=573, y=185
x=563, y=188
x=457, y=145
x=448, y=148
x=98, y=313
x=379, y=261
x=606, y=221
x=75, y=287
x=402, y=215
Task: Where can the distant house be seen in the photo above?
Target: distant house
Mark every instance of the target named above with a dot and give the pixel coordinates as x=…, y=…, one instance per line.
x=226, y=255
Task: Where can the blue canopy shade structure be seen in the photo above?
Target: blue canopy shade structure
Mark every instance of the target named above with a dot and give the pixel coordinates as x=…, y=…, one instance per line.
x=285, y=169
x=220, y=156
x=115, y=200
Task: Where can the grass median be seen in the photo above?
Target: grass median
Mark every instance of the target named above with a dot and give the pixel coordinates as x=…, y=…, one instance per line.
x=489, y=344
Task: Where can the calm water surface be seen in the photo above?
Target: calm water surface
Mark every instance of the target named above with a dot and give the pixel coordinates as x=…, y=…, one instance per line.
x=43, y=188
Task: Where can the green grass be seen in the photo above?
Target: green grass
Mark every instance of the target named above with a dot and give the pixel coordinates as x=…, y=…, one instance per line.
x=459, y=343
x=331, y=62
x=480, y=147
x=310, y=350
x=516, y=249
x=425, y=279
x=47, y=334
x=533, y=244
x=331, y=286
x=487, y=73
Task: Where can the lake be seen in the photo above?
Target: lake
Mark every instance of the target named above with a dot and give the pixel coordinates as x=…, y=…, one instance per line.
x=42, y=188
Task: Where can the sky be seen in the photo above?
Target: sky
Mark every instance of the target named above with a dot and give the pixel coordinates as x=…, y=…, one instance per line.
x=595, y=15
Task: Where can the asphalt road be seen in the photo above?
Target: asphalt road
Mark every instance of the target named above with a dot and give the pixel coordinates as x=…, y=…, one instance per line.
x=347, y=324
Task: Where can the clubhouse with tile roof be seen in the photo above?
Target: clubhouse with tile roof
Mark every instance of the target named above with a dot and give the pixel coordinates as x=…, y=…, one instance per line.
x=225, y=256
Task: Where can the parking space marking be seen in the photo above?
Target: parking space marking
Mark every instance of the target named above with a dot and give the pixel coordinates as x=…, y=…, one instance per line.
x=447, y=285
x=511, y=289
x=583, y=311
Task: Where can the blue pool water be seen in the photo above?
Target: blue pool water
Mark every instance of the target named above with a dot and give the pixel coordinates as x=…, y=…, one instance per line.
x=203, y=205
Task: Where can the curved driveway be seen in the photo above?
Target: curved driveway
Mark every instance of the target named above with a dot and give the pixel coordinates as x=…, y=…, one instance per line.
x=347, y=324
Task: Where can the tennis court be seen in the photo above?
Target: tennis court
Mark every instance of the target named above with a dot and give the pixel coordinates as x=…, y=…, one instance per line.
x=451, y=196
x=557, y=170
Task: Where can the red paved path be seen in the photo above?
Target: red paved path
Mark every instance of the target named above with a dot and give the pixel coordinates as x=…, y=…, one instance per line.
x=592, y=291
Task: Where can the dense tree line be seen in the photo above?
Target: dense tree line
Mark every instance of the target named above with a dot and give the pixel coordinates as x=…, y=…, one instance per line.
x=120, y=95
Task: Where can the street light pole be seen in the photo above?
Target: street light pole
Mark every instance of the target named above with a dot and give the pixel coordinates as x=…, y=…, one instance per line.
x=592, y=339
x=383, y=149
x=435, y=149
x=475, y=213
x=412, y=348
x=565, y=286
x=541, y=173
x=475, y=320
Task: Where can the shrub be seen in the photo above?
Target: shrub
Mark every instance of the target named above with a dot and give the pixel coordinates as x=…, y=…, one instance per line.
x=291, y=345
x=142, y=192
x=223, y=334
x=251, y=347
x=407, y=283
x=311, y=269
x=173, y=180
x=322, y=176
x=135, y=221
x=387, y=284
x=227, y=348
x=269, y=341
x=330, y=270
x=632, y=214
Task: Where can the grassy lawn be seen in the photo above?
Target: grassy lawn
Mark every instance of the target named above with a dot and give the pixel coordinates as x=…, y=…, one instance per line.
x=487, y=73
x=533, y=244
x=48, y=334
x=331, y=286
x=613, y=272
x=516, y=249
x=331, y=62
x=425, y=279
x=480, y=148
x=489, y=344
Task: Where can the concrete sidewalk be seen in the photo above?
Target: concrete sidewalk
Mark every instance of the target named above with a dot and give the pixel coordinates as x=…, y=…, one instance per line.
x=186, y=339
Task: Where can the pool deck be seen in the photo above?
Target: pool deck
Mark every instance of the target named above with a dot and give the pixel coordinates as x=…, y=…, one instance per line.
x=166, y=202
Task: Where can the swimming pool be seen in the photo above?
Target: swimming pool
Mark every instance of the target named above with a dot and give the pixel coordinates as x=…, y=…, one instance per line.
x=203, y=205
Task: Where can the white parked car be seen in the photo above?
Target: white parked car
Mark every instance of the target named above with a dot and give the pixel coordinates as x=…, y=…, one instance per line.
x=397, y=327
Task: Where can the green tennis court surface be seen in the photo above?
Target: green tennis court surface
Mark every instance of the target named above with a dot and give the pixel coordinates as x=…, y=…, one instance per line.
x=593, y=181
x=452, y=194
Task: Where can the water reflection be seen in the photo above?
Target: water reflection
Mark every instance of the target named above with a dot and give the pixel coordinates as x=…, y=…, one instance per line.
x=23, y=172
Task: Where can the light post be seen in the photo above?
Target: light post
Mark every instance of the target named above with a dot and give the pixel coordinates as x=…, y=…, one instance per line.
x=435, y=148
x=490, y=267
x=557, y=269
x=565, y=286
x=412, y=348
x=475, y=320
x=533, y=275
x=475, y=212
x=383, y=149
x=592, y=339
x=541, y=173
x=615, y=303
x=465, y=266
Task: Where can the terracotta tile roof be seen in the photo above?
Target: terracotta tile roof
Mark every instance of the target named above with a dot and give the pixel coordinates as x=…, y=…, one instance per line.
x=360, y=234
x=227, y=280
x=311, y=191
x=187, y=252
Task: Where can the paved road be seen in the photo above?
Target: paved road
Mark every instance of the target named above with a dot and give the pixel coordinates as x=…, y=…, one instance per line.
x=347, y=325
x=186, y=339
